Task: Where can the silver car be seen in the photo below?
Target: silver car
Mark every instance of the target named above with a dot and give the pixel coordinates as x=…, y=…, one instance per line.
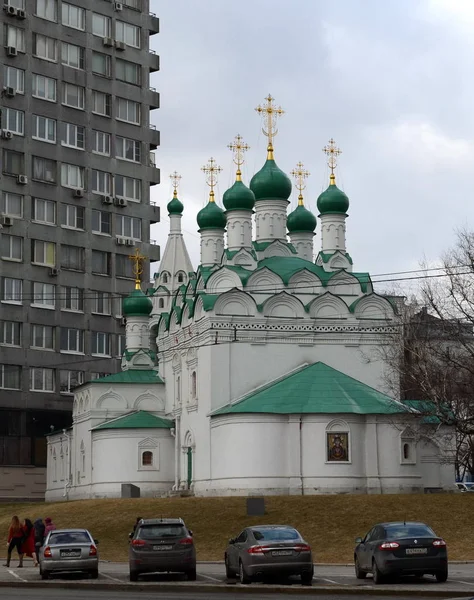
x=69, y=550
x=269, y=550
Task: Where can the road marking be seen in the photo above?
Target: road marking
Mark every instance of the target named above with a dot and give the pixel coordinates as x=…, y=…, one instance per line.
x=332, y=581
x=210, y=578
x=471, y=583
x=16, y=575
x=112, y=578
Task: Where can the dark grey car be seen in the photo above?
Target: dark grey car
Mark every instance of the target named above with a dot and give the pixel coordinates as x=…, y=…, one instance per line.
x=162, y=545
x=269, y=550
x=401, y=548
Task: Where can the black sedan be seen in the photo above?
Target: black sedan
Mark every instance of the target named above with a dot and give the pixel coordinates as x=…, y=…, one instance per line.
x=391, y=549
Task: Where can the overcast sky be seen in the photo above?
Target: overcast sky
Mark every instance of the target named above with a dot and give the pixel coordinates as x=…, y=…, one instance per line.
x=390, y=80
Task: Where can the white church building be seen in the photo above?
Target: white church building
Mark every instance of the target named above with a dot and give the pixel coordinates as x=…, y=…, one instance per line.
x=256, y=373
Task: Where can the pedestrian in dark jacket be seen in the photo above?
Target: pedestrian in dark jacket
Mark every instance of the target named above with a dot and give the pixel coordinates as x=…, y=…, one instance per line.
x=50, y=526
x=39, y=536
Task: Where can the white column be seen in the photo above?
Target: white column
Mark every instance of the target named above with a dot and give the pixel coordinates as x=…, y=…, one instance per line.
x=295, y=458
x=303, y=243
x=175, y=223
x=212, y=246
x=270, y=220
x=372, y=456
x=239, y=229
x=137, y=335
x=333, y=232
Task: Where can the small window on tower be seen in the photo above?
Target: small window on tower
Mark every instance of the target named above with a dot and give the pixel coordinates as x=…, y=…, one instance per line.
x=164, y=277
x=147, y=459
x=180, y=277
x=161, y=303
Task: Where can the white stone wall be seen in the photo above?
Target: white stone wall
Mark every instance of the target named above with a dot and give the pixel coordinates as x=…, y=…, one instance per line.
x=212, y=246
x=303, y=244
x=239, y=229
x=333, y=232
x=270, y=220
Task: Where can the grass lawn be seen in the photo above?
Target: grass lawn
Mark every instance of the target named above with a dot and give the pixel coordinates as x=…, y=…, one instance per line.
x=328, y=523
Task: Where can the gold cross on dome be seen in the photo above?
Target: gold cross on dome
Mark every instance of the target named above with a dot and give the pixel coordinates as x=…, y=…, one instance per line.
x=300, y=174
x=270, y=114
x=332, y=152
x=211, y=170
x=175, y=179
x=137, y=260
x=238, y=148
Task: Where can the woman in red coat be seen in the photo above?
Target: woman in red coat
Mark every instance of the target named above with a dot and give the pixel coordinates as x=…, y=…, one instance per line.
x=28, y=545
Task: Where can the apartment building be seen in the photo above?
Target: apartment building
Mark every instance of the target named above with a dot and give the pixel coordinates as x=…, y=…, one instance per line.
x=77, y=164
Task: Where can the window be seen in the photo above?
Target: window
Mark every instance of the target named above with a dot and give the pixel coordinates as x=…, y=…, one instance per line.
x=72, y=340
x=101, y=222
x=41, y=380
x=101, y=262
x=132, y=4
x=43, y=253
x=72, y=176
x=101, y=303
x=127, y=71
x=44, y=129
x=121, y=344
x=44, y=295
x=127, y=33
x=408, y=453
x=123, y=266
x=72, y=257
x=180, y=277
x=72, y=298
x=100, y=343
x=100, y=25
x=72, y=56
x=147, y=458
x=73, y=96
x=12, y=247
x=13, y=120
x=15, y=78
x=101, y=182
x=10, y=376
x=42, y=337
x=44, y=211
x=101, y=64
x=161, y=303
x=128, y=187
x=193, y=385
x=128, y=110
x=44, y=169
x=68, y=380
x=127, y=149
x=72, y=216
x=98, y=375
x=130, y=227
x=14, y=36
x=44, y=87
x=10, y=333
x=73, y=16
x=13, y=163
x=101, y=142
x=72, y=135
x=46, y=48
x=101, y=103
x=47, y=9
x=11, y=204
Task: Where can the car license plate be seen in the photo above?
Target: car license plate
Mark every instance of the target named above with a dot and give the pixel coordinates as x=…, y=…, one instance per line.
x=416, y=551
x=70, y=553
x=282, y=553
x=162, y=547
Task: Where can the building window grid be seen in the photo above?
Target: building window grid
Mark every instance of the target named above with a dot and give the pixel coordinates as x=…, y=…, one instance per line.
x=72, y=176
x=44, y=295
x=72, y=55
x=127, y=33
x=44, y=211
x=130, y=227
x=43, y=129
x=73, y=16
x=127, y=149
x=128, y=188
x=73, y=96
x=13, y=120
x=72, y=340
x=72, y=216
x=101, y=303
x=43, y=253
x=11, y=247
x=42, y=337
x=44, y=87
x=72, y=135
x=42, y=380
x=72, y=299
x=45, y=48
x=47, y=9
x=14, y=78
x=14, y=37
x=12, y=290
x=11, y=205
x=10, y=333
x=68, y=380
x=100, y=343
x=10, y=377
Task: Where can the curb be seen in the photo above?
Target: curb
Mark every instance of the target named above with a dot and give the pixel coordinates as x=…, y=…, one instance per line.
x=247, y=589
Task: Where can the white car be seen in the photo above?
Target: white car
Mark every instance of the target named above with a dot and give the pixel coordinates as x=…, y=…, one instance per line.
x=69, y=550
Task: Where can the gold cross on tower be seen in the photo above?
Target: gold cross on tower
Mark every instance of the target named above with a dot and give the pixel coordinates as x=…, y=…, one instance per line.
x=270, y=114
x=332, y=152
x=175, y=179
x=238, y=147
x=211, y=170
x=300, y=174
x=137, y=260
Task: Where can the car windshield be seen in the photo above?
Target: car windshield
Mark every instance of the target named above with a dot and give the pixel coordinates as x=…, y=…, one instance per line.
x=280, y=534
x=72, y=537
x=407, y=531
x=153, y=532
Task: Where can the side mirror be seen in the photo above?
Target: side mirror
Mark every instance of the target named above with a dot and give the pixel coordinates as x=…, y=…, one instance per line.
x=358, y=540
x=232, y=541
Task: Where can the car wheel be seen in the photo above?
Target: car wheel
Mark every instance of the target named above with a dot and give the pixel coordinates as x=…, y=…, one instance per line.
x=442, y=576
x=44, y=574
x=243, y=577
x=191, y=575
x=377, y=575
x=134, y=575
x=228, y=571
x=307, y=577
x=360, y=574
x=94, y=574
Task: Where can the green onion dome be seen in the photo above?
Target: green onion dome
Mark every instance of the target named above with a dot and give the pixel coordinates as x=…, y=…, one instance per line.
x=239, y=197
x=301, y=219
x=175, y=206
x=270, y=183
x=333, y=200
x=137, y=305
x=211, y=216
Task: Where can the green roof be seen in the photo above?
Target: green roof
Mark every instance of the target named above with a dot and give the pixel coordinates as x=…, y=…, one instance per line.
x=211, y=217
x=131, y=376
x=238, y=197
x=137, y=420
x=175, y=206
x=271, y=182
x=301, y=220
x=130, y=353
x=261, y=246
x=333, y=200
x=315, y=389
x=325, y=256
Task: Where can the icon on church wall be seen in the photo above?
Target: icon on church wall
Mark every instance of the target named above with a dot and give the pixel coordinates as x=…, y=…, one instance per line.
x=337, y=447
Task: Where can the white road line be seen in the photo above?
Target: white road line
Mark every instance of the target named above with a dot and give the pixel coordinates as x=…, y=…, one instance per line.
x=331, y=581
x=471, y=583
x=16, y=575
x=210, y=578
x=112, y=578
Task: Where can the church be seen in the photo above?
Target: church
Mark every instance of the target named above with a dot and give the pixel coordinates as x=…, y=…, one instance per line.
x=257, y=373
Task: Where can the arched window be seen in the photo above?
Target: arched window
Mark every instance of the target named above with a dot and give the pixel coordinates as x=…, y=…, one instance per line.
x=193, y=385
x=408, y=447
x=147, y=459
x=161, y=303
x=406, y=451
x=180, y=277
x=164, y=277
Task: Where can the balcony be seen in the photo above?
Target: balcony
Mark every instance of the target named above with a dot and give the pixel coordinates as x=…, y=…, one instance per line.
x=154, y=137
x=154, y=99
x=154, y=24
x=155, y=213
x=154, y=62
x=154, y=251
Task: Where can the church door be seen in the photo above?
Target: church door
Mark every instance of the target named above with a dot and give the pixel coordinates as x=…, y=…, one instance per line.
x=189, y=478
